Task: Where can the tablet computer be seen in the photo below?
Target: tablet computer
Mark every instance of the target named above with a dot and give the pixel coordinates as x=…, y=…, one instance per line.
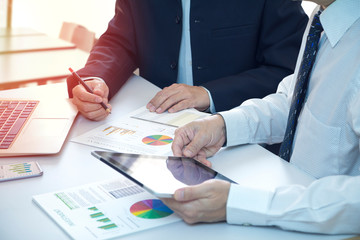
x=159, y=175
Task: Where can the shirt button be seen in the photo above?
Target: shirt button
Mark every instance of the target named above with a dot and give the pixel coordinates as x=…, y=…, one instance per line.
x=173, y=65
x=199, y=68
x=177, y=19
x=196, y=21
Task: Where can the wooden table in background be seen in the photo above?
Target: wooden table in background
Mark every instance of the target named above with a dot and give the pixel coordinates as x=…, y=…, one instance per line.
x=15, y=32
x=40, y=66
x=32, y=43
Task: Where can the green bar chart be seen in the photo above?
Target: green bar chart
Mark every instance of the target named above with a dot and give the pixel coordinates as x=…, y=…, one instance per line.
x=101, y=219
x=109, y=226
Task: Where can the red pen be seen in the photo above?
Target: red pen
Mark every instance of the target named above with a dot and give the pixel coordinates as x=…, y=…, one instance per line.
x=77, y=77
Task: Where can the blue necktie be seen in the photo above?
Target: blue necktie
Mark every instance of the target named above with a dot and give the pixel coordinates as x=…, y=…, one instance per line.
x=301, y=86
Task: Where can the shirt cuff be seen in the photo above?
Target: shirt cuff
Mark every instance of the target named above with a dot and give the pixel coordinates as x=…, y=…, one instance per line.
x=211, y=108
x=247, y=206
x=237, y=130
x=92, y=78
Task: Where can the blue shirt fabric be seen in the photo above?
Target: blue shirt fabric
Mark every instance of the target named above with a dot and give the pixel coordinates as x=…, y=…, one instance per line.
x=185, y=63
x=326, y=142
x=185, y=74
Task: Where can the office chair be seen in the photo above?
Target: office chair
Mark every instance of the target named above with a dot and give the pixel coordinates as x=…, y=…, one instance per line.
x=83, y=38
x=67, y=31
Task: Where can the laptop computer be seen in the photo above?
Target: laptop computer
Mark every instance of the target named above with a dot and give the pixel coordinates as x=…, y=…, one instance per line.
x=34, y=126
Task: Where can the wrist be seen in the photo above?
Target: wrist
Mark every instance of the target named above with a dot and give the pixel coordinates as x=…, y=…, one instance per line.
x=204, y=101
x=220, y=122
x=211, y=107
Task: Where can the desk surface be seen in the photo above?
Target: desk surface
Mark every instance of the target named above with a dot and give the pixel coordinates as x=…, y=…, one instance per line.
x=36, y=66
x=14, y=32
x=66, y=169
x=30, y=43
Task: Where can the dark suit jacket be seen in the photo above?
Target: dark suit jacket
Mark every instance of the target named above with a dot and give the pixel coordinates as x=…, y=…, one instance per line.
x=240, y=48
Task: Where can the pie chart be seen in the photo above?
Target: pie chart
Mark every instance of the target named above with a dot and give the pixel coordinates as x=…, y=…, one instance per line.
x=150, y=209
x=157, y=140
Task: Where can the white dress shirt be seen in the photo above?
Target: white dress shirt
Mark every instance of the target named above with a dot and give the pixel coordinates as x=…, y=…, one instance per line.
x=326, y=143
x=185, y=74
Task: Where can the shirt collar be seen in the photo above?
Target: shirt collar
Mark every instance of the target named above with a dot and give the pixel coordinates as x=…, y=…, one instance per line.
x=338, y=18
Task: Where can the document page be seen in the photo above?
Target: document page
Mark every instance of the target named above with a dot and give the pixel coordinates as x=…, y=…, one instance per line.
x=104, y=210
x=129, y=135
x=177, y=119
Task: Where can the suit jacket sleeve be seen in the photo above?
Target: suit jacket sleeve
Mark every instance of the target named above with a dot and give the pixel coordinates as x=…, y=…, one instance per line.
x=282, y=27
x=113, y=57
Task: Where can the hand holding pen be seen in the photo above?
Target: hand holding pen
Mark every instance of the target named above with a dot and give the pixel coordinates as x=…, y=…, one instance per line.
x=89, y=96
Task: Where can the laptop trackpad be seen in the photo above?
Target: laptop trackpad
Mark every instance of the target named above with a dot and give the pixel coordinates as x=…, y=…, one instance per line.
x=48, y=127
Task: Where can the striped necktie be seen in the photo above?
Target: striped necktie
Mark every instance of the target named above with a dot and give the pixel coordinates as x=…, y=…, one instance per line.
x=301, y=86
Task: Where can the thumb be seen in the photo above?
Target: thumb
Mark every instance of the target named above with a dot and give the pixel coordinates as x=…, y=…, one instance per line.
x=191, y=193
x=98, y=90
x=194, y=147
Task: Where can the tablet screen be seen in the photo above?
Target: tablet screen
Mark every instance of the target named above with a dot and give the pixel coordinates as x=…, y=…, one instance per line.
x=160, y=175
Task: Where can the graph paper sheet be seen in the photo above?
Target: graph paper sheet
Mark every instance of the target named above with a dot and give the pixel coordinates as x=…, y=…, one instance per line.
x=104, y=210
x=177, y=119
x=129, y=135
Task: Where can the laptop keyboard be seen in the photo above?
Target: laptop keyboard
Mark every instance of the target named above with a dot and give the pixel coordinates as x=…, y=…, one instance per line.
x=13, y=116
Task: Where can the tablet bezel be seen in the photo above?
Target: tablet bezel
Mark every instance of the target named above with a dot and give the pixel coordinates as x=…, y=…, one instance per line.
x=108, y=158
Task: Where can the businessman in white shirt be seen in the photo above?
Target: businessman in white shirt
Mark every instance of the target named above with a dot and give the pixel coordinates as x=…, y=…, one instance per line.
x=325, y=142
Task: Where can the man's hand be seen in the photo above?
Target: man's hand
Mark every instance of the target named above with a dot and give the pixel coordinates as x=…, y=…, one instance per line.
x=205, y=202
x=89, y=104
x=178, y=97
x=200, y=139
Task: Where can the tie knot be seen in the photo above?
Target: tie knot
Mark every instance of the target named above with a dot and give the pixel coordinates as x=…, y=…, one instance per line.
x=316, y=24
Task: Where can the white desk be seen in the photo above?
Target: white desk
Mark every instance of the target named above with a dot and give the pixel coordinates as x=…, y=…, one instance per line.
x=20, y=218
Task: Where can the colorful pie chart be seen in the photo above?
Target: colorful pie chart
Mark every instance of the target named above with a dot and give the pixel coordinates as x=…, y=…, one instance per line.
x=157, y=140
x=150, y=209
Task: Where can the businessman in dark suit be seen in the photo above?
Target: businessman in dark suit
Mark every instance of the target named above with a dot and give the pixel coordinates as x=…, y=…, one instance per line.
x=236, y=49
